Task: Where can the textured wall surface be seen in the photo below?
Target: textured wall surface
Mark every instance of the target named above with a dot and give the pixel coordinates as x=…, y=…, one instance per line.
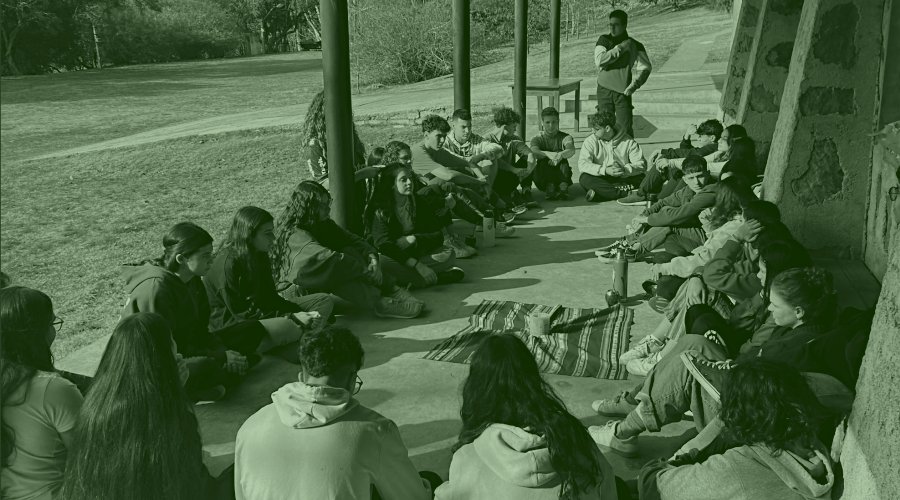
x=741, y=46
x=882, y=222
x=819, y=167
x=871, y=456
x=767, y=67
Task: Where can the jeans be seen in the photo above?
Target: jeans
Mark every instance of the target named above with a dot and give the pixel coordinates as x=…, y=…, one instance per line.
x=656, y=236
x=607, y=188
x=618, y=104
x=547, y=174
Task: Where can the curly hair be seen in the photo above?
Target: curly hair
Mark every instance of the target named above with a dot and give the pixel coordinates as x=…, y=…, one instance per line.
x=324, y=352
x=504, y=386
x=314, y=130
x=811, y=289
x=602, y=119
x=301, y=212
x=711, y=127
x=392, y=151
x=435, y=122
x=505, y=116
x=769, y=402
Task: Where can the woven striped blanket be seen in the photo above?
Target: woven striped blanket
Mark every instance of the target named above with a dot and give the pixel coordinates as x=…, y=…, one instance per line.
x=582, y=342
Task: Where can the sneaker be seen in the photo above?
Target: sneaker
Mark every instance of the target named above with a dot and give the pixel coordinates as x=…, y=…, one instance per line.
x=615, y=244
x=605, y=435
x=590, y=195
x=506, y=217
x=402, y=294
x=634, y=198
x=563, y=196
x=519, y=209
x=658, y=304
x=528, y=199
x=388, y=307
x=460, y=249
x=631, y=256
x=642, y=366
x=706, y=372
x=443, y=255
x=645, y=347
x=452, y=275
x=618, y=406
x=504, y=231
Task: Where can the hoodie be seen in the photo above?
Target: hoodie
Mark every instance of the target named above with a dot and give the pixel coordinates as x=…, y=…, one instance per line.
x=319, y=442
x=315, y=265
x=743, y=473
x=507, y=462
x=596, y=155
x=684, y=266
x=154, y=289
x=682, y=208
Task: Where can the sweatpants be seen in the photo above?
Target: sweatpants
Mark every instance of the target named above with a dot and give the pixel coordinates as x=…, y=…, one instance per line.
x=620, y=105
x=687, y=238
x=607, y=188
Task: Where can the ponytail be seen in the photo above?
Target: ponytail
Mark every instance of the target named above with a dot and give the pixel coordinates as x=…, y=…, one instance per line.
x=811, y=289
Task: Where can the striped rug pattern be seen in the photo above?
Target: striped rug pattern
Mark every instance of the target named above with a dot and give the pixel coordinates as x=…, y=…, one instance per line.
x=582, y=342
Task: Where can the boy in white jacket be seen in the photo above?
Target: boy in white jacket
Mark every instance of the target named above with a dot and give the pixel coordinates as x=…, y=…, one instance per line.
x=611, y=163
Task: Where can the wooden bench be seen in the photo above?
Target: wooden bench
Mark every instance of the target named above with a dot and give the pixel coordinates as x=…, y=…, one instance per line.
x=553, y=88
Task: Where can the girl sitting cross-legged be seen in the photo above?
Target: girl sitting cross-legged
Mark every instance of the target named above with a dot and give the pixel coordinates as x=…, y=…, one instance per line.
x=40, y=407
x=240, y=287
x=172, y=287
x=312, y=253
x=518, y=441
x=137, y=435
x=407, y=228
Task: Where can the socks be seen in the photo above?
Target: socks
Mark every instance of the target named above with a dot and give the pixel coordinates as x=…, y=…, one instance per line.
x=630, y=427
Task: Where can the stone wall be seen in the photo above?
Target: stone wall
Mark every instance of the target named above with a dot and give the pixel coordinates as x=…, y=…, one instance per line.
x=819, y=166
x=871, y=453
x=741, y=47
x=882, y=222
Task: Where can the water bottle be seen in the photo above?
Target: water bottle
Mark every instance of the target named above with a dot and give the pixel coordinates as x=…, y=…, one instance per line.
x=620, y=274
x=488, y=225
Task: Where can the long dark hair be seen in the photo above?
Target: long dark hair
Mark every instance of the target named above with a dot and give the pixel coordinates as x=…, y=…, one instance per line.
x=768, y=402
x=504, y=386
x=137, y=435
x=314, y=129
x=810, y=288
x=301, y=212
x=742, y=159
x=26, y=316
x=239, y=240
x=383, y=201
x=779, y=256
x=732, y=195
x=184, y=238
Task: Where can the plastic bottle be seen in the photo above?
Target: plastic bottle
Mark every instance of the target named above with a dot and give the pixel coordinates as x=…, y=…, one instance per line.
x=620, y=274
x=488, y=239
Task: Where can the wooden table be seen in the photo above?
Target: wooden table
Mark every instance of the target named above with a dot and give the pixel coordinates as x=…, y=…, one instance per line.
x=553, y=87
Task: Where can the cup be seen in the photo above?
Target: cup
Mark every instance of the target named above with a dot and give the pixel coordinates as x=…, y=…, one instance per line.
x=539, y=324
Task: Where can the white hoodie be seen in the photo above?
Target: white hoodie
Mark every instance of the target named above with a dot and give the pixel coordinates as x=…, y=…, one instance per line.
x=509, y=463
x=596, y=155
x=319, y=442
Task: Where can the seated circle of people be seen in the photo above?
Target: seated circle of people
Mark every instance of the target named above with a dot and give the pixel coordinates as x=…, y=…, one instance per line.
x=311, y=252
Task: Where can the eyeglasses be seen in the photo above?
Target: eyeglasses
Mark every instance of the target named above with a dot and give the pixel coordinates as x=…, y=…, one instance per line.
x=57, y=324
x=893, y=193
x=359, y=384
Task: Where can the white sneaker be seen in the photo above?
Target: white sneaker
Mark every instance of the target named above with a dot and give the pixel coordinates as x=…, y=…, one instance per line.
x=645, y=347
x=402, y=294
x=642, y=366
x=389, y=307
x=504, y=231
x=461, y=250
x=443, y=255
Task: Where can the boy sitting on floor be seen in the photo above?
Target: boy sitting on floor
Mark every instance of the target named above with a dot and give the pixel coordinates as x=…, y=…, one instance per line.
x=663, y=176
x=553, y=148
x=610, y=162
x=517, y=164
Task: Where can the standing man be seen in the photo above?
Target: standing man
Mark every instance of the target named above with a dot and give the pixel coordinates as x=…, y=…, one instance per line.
x=615, y=56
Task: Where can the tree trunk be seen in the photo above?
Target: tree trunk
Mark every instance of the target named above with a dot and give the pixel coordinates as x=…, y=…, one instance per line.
x=8, y=41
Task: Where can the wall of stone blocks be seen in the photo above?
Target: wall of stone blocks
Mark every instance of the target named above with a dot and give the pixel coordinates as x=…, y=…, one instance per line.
x=871, y=450
x=819, y=166
x=741, y=47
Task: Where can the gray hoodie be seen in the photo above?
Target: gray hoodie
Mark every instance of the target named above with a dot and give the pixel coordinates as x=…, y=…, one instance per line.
x=507, y=462
x=742, y=473
x=319, y=442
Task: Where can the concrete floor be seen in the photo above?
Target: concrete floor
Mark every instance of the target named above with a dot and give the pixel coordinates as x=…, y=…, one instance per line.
x=551, y=261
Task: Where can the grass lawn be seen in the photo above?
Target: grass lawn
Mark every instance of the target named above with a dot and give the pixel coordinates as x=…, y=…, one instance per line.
x=68, y=223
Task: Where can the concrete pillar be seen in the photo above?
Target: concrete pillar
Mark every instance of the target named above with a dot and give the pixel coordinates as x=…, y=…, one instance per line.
x=767, y=70
x=741, y=45
x=870, y=458
x=819, y=166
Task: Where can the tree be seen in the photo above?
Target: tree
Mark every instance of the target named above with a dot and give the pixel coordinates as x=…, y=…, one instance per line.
x=17, y=15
